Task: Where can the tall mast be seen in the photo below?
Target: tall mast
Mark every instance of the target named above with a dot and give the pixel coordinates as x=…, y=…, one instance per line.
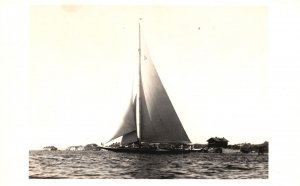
x=139, y=109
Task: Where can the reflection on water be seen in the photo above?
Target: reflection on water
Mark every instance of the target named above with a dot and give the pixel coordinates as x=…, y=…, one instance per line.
x=105, y=164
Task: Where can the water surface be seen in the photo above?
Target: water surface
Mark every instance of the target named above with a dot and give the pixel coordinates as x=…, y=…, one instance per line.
x=106, y=164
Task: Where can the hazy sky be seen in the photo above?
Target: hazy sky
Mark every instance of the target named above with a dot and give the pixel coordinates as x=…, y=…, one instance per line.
x=212, y=61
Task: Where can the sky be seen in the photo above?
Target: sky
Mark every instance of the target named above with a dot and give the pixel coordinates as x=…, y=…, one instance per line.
x=212, y=61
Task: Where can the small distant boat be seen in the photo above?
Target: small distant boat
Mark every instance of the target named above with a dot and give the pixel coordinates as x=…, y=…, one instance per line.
x=150, y=117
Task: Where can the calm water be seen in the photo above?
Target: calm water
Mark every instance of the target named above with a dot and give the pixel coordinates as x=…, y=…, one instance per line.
x=105, y=164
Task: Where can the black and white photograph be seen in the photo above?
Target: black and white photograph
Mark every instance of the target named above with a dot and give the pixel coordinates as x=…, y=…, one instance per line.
x=107, y=93
x=103, y=107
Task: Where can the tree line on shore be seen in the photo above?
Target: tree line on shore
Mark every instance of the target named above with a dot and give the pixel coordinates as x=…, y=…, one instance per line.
x=243, y=147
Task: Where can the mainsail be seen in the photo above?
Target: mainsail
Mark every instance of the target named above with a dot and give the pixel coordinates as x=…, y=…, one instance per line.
x=157, y=119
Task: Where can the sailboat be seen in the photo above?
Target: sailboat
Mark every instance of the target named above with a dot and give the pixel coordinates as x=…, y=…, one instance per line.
x=150, y=120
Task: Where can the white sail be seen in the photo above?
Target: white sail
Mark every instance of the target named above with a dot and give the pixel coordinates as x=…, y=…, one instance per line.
x=128, y=124
x=159, y=121
x=129, y=138
x=157, y=118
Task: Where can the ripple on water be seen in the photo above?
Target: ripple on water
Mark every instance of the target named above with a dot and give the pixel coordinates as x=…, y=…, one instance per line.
x=105, y=164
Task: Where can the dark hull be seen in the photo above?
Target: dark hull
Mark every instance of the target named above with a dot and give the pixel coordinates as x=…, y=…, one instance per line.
x=149, y=151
